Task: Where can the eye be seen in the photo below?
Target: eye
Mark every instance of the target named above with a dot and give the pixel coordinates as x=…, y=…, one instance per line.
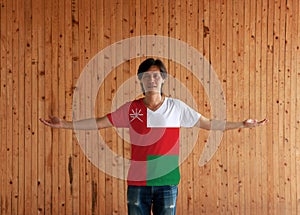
x=156, y=75
x=146, y=76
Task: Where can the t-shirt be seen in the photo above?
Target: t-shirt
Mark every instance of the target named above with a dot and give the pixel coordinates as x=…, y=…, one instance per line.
x=154, y=137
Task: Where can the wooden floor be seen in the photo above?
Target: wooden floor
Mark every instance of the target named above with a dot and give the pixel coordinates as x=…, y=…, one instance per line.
x=253, y=47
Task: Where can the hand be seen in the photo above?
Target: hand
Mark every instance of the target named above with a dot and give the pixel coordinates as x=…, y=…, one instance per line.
x=54, y=122
x=250, y=123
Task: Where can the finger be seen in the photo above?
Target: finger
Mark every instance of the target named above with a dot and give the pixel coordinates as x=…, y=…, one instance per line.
x=262, y=122
x=45, y=122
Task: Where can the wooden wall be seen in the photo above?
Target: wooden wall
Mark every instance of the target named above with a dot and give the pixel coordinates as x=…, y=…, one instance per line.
x=253, y=46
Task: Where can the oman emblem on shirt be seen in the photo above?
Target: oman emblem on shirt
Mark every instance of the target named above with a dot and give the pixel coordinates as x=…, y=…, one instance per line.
x=136, y=114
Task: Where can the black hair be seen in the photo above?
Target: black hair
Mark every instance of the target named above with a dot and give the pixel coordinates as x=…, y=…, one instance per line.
x=146, y=64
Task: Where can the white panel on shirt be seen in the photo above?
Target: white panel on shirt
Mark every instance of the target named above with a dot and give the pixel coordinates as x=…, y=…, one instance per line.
x=173, y=113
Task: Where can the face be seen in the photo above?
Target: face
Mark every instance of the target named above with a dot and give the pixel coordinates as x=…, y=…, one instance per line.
x=152, y=80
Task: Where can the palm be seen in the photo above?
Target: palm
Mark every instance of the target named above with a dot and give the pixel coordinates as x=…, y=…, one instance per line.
x=253, y=122
x=53, y=122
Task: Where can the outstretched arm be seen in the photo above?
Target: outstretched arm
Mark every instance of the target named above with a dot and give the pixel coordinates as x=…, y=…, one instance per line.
x=85, y=124
x=210, y=124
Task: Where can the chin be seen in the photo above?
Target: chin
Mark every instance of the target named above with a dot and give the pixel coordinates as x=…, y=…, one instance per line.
x=152, y=91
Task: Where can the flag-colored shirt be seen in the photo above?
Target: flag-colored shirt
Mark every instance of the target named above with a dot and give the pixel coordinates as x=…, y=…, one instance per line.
x=154, y=137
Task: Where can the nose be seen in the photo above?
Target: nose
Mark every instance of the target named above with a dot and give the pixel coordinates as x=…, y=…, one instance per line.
x=152, y=78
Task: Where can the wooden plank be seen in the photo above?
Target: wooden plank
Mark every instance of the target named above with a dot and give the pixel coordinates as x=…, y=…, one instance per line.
x=253, y=189
x=223, y=181
x=202, y=139
x=246, y=110
x=9, y=109
x=191, y=92
x=264, y=112
x=108, y=14
x=15, y=106
x=93, y=157
x=238, y=83
x=294, y=16
x=34, y=106
x=39, y=9
x=74, y=161
x=171, y=52
x=101, y=101
x=135, y=20
x=270, y=144
x=86, y=18
x=297, y=66
x=278, y=180
x=7, y=58
x=182, y=77
x=213, y=58
x=127, y=13
x=4, y=196
x=27, y=107
x=61, y=97
x=217, y=195
x=207, y=168
x=48, y=109
x=181, y=204
x=102, y=175
x=232, y=172
x=1, y=116
x=82, y=54
x=280, y=37
x=68, y=91
x=95, y=186
x=287, y=106
x=192, y=26
x=55, y=106
x=257, y=108
x=149, y=26
x=241, y=85
x=143, y=17
x=117, y=78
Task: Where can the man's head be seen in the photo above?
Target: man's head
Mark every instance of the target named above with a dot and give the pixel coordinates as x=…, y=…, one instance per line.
x=152, y=74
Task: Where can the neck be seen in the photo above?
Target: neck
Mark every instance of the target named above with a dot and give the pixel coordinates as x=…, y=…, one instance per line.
x=153, y=100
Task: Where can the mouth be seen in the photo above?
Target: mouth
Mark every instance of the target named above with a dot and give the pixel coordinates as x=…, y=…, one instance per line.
x=151, y=86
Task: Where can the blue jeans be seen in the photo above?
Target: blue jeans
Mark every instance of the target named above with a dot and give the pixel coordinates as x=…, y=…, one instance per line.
x=162, y=200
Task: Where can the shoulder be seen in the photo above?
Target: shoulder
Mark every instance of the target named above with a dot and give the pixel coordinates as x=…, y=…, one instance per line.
x=176, y=102
x=127, y=105
x=137, y=101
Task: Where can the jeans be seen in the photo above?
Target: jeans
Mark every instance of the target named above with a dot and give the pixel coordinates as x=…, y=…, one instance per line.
x=162, y=200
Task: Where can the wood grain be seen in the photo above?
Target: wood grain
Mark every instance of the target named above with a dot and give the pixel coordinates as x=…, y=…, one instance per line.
x=253, y=47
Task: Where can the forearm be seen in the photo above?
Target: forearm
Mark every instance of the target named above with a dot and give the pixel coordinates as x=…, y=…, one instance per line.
x=224, y=125
x=91, y=124
x=84, y=124
x=212, y=124
x=234, y=125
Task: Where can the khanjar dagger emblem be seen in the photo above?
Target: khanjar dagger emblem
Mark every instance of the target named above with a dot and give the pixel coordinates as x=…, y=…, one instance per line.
x=136, y=115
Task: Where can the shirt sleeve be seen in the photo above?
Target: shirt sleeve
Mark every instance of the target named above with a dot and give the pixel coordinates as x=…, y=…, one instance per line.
x=188, y=116
x=119, y=118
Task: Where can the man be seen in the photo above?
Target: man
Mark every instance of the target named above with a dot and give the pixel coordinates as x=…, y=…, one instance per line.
x=154, y=123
